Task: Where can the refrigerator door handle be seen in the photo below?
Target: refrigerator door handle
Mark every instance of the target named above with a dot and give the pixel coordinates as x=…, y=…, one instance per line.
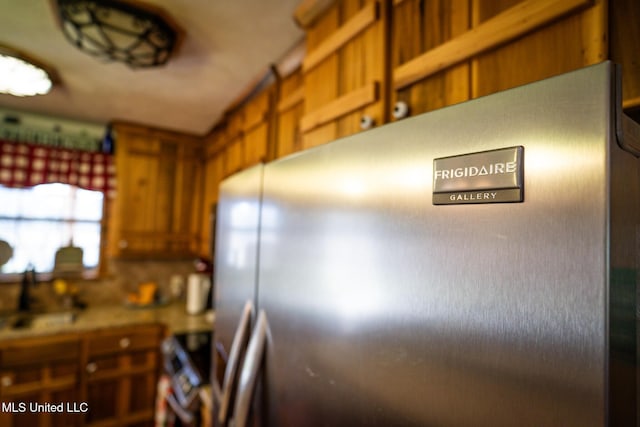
x=235, y=355
x=250, y=370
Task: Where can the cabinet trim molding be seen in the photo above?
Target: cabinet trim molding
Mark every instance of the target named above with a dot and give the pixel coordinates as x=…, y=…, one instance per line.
x=502, y=28
x=341, y=106
x=354, y=26
x=291, y=100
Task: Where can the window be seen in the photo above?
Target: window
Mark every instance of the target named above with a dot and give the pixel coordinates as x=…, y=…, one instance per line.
x=37, y=221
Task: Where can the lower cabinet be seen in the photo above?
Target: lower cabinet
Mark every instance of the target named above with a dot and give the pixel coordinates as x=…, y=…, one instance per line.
x=37, y=372
x=98, y=379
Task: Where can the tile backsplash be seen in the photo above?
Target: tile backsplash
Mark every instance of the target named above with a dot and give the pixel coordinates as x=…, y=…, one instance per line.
x=123, y=277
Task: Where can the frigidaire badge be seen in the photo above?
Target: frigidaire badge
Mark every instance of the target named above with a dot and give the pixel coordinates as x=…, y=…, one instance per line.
x=487, y=177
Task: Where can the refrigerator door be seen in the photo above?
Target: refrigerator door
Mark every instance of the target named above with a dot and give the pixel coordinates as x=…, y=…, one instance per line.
x=236, y=264
x=386, y=309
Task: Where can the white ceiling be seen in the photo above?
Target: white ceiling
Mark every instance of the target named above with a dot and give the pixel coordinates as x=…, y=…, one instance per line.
x=227, y=45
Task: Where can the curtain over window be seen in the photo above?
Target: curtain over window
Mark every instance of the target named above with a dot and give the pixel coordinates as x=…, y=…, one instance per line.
x=27, y=165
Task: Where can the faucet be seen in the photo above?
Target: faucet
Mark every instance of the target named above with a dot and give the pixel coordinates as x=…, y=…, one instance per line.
x=28, y=279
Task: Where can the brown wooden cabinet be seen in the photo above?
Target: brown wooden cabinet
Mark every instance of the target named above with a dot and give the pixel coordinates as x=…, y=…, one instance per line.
x=384, y=60
x=289, y=110
x=103, y=378
x=625, y=50
x=158, y=207
x=448, y=52
x=39, y=371
x=120, y=376
x=345, y=71
x=214, y=173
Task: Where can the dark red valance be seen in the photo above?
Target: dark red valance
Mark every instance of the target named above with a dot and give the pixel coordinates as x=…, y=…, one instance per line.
x=26, y=165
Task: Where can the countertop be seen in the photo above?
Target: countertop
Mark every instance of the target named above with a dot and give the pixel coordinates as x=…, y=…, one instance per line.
x=173, y=316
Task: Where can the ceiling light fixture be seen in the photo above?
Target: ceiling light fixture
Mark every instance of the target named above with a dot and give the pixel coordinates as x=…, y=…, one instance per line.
x=23, y=76
x=113, y=30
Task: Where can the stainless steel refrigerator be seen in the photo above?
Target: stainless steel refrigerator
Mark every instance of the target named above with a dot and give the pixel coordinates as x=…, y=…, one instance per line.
x=472, y=266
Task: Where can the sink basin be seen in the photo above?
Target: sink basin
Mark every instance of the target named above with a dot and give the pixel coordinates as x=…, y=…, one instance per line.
x=53, y=319
x=38, y=320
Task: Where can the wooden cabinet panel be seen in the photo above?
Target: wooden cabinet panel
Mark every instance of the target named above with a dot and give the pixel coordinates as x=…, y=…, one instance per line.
x=118, y=341
x=566, y=44
x=418, y=27
x=469, y=48
x=157, y=210
x=114, y=372
x=40, y=371
x=214, y=173
x=121, y=368
x=290, y=109
x=234, y=156
x=255, y=145
x=257, y=126
x=625, y=49
x=345, y=73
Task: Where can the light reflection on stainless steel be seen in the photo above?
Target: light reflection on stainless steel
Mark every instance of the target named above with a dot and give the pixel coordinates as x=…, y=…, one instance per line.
x=387, y=310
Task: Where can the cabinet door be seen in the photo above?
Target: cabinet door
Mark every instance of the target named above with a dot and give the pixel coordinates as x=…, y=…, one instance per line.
x=214, y=173
x=188, y=208
x=290, y=110
x=345, y=73
x=257, y=127
x=39, y=372
x=157, y=208
x=140, y=208
x=121, y=373
x=445, y=52
x=419, y=26
x=625, y=45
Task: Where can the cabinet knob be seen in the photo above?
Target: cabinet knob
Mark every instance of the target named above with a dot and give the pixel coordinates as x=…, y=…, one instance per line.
x=366, y=122
x=122, y=244
x=400, y=110
x=125, y=342
x=6, y=381
x=91, y=367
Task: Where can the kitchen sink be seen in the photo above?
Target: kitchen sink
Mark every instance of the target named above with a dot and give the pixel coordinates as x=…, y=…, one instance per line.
x=38, y=320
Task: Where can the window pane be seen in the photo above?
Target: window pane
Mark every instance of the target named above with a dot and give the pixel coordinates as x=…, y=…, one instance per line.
x=87, y=236
x=11, y=201
x=88, y=205
x=48, y=201
x=37, y=221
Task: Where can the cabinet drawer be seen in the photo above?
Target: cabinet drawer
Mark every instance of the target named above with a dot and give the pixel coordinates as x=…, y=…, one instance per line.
x=118, y=365
x=126, y=340
x=39, y=351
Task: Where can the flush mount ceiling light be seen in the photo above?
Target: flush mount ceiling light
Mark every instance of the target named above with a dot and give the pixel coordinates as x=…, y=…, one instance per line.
x=23, y=76
x=120, y=31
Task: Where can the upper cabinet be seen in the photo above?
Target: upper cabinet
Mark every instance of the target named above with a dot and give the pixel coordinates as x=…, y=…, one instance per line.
x=289, y=111
x=345, y=71
x=158, y=206
x=362, y=63
x=445, y=52
x=625, y=50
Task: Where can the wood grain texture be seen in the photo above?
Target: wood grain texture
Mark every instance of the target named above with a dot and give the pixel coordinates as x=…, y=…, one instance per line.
x=358, y=23
x=308, y=11
x=514, y=22
x=331, y=87
x=625, y=47
x=419, y=26
x=577, y=41
x=341, y=106
x=290, y=110
x=291, y=100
